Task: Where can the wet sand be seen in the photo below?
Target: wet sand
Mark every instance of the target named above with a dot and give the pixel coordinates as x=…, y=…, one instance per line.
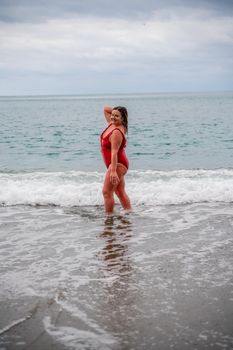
x=72, y=279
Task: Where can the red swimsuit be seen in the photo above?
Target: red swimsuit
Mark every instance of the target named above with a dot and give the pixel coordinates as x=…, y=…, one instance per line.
x=106, y=149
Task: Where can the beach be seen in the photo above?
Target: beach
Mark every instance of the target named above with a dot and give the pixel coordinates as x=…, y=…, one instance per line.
x=135, y=281
x=159, y=277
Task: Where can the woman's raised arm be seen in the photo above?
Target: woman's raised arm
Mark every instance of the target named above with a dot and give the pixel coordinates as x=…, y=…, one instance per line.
x=107, y=113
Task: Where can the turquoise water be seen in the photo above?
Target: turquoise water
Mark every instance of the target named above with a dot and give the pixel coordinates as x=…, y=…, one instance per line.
x=166, y=132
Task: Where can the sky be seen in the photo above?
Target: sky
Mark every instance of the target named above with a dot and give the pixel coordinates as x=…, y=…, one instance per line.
x=121, y=46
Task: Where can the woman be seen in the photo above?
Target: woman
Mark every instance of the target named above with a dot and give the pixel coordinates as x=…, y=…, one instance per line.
x=113, y=142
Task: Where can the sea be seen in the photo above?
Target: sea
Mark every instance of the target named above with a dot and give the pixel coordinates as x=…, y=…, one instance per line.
x=158, y=277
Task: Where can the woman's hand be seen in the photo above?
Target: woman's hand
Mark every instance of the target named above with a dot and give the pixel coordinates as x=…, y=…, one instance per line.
x=114, y=178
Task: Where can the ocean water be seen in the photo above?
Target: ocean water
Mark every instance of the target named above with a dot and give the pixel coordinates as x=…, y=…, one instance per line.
x=157, y=278
x=166, y=132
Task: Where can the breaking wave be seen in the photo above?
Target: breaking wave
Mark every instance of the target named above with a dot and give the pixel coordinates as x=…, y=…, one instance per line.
x=78, y=188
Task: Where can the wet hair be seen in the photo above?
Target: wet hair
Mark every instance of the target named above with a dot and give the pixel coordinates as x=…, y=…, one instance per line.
x=124, y=115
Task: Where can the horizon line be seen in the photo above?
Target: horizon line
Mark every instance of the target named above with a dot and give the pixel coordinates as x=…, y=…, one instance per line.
x=117, y=93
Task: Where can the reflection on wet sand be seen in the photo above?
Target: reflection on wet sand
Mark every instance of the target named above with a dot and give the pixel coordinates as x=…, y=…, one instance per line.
x=117, y=232
x=118, y=307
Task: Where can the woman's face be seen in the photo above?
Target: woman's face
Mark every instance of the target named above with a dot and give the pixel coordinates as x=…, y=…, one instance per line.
x=116, y=117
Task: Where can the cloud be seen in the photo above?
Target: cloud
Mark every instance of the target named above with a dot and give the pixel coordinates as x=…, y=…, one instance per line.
x=43, y=10
x=94, y=43
x=166, y=47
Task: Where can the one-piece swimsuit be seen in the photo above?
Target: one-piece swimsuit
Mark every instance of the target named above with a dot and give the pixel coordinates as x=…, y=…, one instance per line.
x=106, y=148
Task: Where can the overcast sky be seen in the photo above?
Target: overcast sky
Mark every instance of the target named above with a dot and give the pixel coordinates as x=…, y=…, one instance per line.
x=120, y=46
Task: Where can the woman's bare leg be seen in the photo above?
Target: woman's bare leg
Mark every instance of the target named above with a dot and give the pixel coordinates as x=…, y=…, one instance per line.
x=120, y=189
x=122, y=195
x=109, y=189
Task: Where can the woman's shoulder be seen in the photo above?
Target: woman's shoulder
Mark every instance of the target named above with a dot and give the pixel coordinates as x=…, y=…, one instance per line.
x=119, y=131
x=118, y=134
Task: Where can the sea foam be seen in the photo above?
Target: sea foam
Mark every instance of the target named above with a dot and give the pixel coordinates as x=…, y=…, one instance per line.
x=77, y=188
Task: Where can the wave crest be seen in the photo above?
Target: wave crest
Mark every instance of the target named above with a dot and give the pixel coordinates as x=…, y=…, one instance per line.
x=76, y=188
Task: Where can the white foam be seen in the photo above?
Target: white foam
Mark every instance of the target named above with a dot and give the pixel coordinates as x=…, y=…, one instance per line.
x=13, y=324
x=76, y=188
x=79, y=339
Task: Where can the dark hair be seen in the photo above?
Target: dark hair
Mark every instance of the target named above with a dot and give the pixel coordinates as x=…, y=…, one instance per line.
x=124, y=115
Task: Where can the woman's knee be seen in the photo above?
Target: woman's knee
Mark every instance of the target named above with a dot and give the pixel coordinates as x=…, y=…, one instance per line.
x=107, y=193
x=120, y=192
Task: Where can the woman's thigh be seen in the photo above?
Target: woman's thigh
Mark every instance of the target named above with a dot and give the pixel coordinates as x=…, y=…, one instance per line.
x=108, y=186
x=121, y=171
